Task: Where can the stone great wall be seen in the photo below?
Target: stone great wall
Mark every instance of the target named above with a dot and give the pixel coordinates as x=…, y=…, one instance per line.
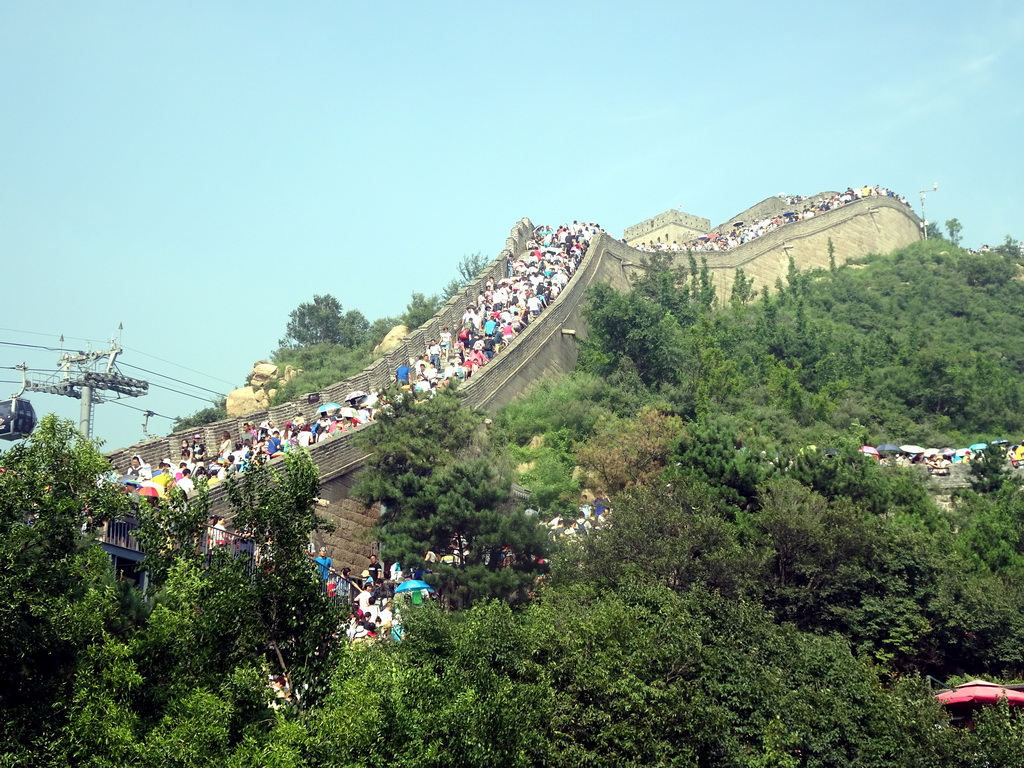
x=548, y=345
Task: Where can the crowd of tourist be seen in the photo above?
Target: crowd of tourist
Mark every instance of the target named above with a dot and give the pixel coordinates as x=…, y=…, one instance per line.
x=502, y=310
x=594, y=514
x=741, y=232
x=236, y=453
x=939, y=461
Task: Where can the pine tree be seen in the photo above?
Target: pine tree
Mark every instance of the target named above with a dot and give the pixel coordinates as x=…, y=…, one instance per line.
x=434, y=473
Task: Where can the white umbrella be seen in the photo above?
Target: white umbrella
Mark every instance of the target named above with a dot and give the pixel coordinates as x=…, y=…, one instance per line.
x=912, y=449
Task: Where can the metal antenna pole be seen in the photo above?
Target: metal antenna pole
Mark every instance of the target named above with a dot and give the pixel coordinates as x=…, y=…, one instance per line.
x=924, y=216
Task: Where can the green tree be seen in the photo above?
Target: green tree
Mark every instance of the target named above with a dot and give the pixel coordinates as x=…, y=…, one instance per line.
x=989, y=470
x=714, y=376
x=50, y=611
x=712, y=451
x=316, y=322
x=469, y=269
x=420, y=309
x=354, y=329
x=434, y=474
x=954, y=228
x=629, y=328
x=742, y=288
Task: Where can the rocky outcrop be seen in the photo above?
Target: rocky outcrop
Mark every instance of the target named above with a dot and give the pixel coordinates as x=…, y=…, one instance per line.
x=262, y=372
x=264, y=380
x=242, y=401
x=393, y=339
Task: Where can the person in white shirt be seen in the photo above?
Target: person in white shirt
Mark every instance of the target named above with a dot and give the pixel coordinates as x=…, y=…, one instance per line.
x=185, y=483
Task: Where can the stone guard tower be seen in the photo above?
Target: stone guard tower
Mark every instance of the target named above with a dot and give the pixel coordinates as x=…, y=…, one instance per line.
x=666, y=228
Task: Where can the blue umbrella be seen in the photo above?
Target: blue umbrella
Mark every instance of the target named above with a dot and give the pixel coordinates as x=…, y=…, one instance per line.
x=328, y=408
x=979, y=446
x=412, y=585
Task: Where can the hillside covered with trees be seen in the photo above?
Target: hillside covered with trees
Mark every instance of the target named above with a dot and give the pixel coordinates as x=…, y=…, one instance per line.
x=756, y=600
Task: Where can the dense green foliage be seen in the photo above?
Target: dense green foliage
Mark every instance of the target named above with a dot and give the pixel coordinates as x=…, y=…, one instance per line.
x=757, y=601
x=95, y=673
x=442, y=490
x=923, y=345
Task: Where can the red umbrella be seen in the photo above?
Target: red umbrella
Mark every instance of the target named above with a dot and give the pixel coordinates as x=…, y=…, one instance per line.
x=148, y=490
x=980, y=692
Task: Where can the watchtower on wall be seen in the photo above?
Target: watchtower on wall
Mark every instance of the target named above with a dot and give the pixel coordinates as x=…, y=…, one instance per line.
x=673, y=226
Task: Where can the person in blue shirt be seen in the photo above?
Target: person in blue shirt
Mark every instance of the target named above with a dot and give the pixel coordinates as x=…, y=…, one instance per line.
x=324, y=564
x=402, y=374
x=274, y=443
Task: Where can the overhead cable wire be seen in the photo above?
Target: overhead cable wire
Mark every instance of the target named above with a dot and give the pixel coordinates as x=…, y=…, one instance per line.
x=171, y=378
x=37, y=333
x=187, y=394
x=141, y=410
x=178, y=365
x=32, y=346
x=28, y=370
x=137, y=351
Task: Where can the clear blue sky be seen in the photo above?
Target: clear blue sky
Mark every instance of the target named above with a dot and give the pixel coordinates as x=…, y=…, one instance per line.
x=194, y=170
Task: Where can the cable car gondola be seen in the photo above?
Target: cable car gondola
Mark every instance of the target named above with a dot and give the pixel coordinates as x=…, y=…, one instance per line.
x=17, y=418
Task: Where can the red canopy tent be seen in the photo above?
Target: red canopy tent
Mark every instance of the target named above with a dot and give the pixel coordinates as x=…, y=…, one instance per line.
x=980, y=692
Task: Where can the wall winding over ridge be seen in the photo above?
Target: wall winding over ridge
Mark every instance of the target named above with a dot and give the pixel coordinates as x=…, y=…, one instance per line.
x=375, y=377
x=869, y=225
x=548, y=345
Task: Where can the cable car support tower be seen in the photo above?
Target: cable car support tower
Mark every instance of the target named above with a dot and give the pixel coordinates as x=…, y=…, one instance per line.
x=83, y=376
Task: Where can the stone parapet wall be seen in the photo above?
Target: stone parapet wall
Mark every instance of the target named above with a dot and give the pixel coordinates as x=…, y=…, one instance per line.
x=870, y=225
